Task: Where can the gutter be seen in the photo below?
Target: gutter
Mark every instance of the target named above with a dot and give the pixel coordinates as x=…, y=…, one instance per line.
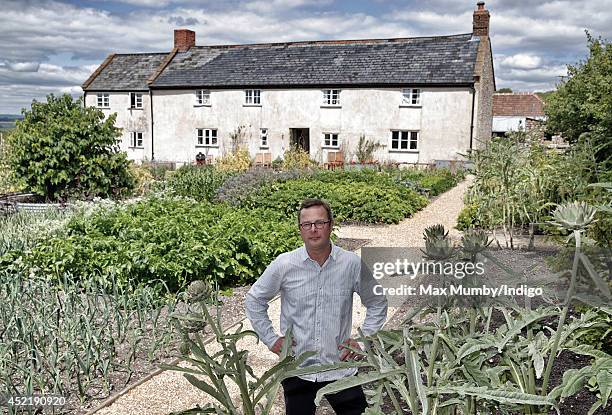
x=152, y=124
x=472, y=117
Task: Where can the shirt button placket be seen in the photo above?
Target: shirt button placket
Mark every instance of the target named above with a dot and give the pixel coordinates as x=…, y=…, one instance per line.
x=319, y=313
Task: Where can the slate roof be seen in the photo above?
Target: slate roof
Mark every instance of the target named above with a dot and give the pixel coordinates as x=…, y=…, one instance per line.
x=127, y=72
x=443, y=60
x=426, y=60
x=525, y=104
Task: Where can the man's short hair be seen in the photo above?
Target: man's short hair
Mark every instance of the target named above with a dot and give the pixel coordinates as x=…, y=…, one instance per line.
x=308, y=203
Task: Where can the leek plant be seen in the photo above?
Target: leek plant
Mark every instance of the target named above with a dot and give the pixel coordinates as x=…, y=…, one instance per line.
x=74, y=339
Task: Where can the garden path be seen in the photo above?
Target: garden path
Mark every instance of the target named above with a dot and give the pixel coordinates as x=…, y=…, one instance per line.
x=409, y=233
x=170, y=391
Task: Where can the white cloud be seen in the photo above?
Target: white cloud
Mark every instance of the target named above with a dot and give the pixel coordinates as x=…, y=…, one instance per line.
x=23, y=66
x=280, y=6
x=521, y=61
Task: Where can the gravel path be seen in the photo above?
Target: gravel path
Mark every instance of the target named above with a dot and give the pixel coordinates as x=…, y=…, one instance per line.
x=409, y=233
x=169, y=391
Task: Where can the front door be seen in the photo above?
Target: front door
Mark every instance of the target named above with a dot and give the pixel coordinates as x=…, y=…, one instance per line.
x=300, y=137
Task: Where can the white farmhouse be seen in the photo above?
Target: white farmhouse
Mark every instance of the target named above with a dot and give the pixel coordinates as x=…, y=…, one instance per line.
x=423, y=99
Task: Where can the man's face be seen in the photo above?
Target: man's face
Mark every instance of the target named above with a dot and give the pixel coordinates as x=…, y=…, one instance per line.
x=315, y=239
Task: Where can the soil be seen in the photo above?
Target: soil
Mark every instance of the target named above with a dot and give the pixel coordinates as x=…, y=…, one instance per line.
x=231, y=311
x=351, y=244
x=581, y=402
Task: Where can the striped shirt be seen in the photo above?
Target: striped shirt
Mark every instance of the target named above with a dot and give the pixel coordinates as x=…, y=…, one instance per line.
x=317, y=301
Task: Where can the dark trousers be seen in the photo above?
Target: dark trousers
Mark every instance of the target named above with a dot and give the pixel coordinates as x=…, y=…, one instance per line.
x=300, y=395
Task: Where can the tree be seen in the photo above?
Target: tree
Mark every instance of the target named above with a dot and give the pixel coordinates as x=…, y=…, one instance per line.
x=64, y=149
x=504, y=90
x=581, y=107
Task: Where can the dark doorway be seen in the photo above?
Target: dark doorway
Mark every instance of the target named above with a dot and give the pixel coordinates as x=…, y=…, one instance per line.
x=300, y=137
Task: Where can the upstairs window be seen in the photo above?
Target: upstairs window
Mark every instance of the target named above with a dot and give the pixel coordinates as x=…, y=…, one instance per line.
x=411, y=96
x=331, y=140
x=135, y=100
x=136, y=139
x=207, y=137
x=404, y=140
x=103, y=100
x=263, y=138
x=252, y=97
x=202, y=97
x=331, y=97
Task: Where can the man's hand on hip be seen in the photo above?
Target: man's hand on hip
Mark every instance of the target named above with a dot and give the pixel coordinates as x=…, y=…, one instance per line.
x=348, y=354
x=278, y=345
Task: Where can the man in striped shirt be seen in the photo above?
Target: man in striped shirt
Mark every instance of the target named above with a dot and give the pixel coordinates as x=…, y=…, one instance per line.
x=316, y=283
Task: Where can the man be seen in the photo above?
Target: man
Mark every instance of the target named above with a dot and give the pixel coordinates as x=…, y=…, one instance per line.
x=316, y=283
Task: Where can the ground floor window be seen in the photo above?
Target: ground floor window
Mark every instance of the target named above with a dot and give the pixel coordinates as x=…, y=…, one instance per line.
x=404, y=140
x=136, y=139
x=207, y=137
x=331, y=140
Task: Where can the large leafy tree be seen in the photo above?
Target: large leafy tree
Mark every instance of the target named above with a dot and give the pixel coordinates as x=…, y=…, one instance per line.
x=64, y=149
x=581, y=107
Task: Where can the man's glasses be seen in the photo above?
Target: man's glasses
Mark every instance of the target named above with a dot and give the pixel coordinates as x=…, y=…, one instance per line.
x=320, y=224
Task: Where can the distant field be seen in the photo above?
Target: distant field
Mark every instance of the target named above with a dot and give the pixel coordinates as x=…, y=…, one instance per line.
x=7, y=125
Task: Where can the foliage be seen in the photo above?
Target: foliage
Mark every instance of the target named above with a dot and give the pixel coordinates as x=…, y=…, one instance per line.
x=296, y=158
x=238, y=139
x=172, y=240
x=580, y=107
x=197, y=182
x=143, y=179
x=76, y=339
x=357, y=201
x=214, y=368
x=468, y=218
x=22, y=230
x=504, y=90
x=236, y=161
x=64, y=149
x=159, y=170
x=236, y=189
x=8, y=182
x=448, y=359
x=518, y=182
x=365, y=149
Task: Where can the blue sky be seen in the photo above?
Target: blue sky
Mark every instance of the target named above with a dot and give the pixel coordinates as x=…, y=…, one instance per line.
x=51, y=46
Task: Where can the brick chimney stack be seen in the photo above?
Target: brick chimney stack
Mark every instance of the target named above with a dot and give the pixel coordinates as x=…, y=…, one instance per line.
x=184, y=39
x=480, y=23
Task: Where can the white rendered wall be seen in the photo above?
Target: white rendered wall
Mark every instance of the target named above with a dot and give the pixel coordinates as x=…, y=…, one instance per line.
x=443, y=121
x=129, y=120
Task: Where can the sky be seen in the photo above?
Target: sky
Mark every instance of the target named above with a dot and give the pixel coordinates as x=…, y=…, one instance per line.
x=52, y=46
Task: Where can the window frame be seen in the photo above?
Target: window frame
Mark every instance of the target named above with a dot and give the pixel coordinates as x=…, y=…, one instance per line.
x=328, y=97
x=200, y=95
x=102, y=96
x=135, y=137
x=263, y=138
x=207, y=137
x=328, y=139
x=411, y=97
x=411, y=136
x=254, y=96
x=134, y=103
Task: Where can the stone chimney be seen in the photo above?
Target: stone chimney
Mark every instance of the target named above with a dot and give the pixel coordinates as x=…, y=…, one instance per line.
x=480, y=23
x=183, y=39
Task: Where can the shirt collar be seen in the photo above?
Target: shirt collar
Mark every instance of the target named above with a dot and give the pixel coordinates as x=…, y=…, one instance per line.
x=304, y=253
